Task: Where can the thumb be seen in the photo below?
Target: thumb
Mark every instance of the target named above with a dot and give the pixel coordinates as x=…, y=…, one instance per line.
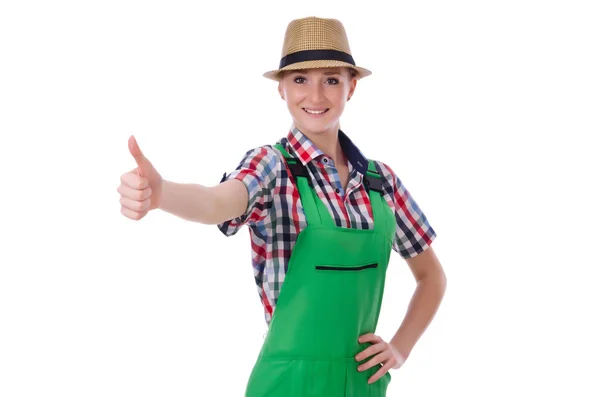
x=137, y=154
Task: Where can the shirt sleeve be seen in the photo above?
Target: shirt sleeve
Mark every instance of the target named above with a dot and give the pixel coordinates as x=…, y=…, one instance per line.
x=413, y=232
x=258, y=171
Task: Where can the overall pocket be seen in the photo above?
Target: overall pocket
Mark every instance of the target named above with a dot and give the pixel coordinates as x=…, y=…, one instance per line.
x=346, y=268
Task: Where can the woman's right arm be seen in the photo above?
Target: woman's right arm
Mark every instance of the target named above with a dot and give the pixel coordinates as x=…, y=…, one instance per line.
x=204, y=204
x=143, y=189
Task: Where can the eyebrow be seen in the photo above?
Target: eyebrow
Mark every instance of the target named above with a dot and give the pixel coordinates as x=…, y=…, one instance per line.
x=304, y=71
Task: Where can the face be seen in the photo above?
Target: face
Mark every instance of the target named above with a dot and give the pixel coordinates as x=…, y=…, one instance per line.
x=316, y=97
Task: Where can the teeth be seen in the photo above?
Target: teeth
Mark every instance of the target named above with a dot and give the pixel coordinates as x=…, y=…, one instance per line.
x=314, y=112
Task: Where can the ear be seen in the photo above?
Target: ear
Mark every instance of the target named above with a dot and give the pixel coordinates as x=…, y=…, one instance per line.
x=353, y=82
x=280, y=89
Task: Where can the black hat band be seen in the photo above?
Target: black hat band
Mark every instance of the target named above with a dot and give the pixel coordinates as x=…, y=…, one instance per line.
x=316, y=55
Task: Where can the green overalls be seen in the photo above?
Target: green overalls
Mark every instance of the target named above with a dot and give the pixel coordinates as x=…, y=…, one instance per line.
x=331, y=295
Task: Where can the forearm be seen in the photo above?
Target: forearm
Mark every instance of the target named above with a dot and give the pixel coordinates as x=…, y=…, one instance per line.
x=421, y=310
x=191, y=202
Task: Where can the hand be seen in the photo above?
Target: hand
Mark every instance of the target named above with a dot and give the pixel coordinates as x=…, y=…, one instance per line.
x=140, y=188
x=387, y=356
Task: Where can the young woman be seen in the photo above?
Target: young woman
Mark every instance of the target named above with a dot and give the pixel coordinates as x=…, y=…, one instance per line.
x=323, y=220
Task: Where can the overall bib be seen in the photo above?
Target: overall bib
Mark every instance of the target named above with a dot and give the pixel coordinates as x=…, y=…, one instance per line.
x=330, y=296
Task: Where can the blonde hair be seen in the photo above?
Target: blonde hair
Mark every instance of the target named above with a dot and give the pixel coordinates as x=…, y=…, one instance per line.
x=353, y=72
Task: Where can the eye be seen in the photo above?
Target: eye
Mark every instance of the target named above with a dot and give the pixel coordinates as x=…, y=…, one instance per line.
x=334, y=80
x=296, y=79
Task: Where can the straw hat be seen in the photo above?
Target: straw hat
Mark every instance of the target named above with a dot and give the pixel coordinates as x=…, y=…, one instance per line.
x=315, y=43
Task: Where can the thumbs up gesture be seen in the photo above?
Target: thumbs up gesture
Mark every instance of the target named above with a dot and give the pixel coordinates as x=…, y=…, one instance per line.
x=140, y=188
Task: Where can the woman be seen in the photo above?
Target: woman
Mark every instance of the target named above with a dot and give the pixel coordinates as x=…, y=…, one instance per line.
x=323, y=218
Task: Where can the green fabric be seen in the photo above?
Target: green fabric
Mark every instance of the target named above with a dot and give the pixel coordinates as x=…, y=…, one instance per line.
x=331, y=295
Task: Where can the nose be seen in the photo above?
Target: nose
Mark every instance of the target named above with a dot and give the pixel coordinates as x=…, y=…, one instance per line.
x=316, y=93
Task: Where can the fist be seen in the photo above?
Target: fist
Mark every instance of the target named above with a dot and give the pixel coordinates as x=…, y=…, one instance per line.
x=140, y=188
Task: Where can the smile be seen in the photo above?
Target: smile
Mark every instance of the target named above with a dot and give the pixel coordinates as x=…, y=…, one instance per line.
x=315, y=112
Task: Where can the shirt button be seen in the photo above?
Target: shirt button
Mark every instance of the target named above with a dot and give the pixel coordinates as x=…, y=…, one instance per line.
x=324, y=160
x=337, y=190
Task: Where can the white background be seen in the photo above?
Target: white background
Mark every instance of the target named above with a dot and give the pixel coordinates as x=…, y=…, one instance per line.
x=486, y=110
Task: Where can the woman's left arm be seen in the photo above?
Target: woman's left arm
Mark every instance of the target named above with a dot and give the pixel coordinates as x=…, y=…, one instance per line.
x=430, y=289
x=413, y=234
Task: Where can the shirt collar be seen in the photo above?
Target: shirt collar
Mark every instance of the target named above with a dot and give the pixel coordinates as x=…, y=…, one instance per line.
x=303, y=148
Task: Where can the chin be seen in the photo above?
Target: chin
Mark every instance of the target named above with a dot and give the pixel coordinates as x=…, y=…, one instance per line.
x=313, y=126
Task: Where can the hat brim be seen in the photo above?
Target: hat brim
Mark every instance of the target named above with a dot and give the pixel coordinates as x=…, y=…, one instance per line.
x=274, y=74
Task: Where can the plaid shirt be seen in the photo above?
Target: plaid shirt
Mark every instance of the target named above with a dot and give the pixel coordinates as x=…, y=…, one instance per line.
x=275, y=216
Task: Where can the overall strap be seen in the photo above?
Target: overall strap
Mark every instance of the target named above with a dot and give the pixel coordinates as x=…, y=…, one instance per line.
x=373, y=182
x=314, y=208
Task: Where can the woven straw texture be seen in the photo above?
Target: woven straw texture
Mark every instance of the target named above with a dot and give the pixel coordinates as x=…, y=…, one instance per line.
x=313, y=33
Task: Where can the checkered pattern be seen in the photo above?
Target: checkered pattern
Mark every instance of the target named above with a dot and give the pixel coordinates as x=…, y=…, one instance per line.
x=275, y=216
